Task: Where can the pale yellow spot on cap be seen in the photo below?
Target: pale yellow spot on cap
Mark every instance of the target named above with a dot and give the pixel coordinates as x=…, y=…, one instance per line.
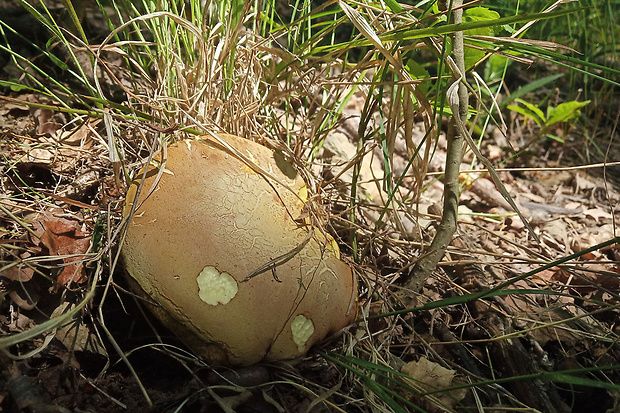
x=216, y=287
x=303, y=193
x=302, y=328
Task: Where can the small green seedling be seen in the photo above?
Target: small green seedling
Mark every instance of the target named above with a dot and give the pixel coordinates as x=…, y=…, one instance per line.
x=562, y=113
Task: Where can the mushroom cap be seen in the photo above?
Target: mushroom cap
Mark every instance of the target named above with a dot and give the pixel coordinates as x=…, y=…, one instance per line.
x=211, y=221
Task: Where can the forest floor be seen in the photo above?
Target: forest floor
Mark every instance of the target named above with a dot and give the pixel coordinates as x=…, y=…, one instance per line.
x=60, y=186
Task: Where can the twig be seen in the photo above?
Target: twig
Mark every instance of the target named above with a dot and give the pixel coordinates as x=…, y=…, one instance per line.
x=276, y=262
x=447, y=226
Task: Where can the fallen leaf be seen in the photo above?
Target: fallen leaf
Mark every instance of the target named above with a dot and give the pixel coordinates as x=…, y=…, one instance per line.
x=544, y=277
x=598, y=276
x=514, y=223
x=556, y=234
x=76, y=335
x=495, y=152
x=605, y=276
x=16, y=106
x=20, y=272
x=63, y=237
x=48, y=128
x=487, y=191
x=545, y=318
x=582, y=182
x=589, y=236
x=44, y=119
x=428, y=376
x=17, y=323
x=26, y=300
x=79, y=137
x=429, y=373
x=39, y=156
x=597, y=213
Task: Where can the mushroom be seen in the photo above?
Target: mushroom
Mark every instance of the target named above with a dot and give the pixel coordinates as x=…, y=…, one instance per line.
x=228, y=256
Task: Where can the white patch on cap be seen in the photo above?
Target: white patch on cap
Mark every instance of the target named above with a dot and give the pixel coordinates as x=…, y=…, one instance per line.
x=302, y=328
x=216, y=287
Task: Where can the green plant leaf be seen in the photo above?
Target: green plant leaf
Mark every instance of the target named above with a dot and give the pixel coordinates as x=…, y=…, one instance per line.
x=478, y=14
x=15, y=86
x=564, y=112
x=569, y=62
x=386, y=394
x=537, y=84
x=534, y=108
x=582, y=381
x=417, y=71
x=555, y=138
x=472, y=25
x=529, y=110
x=439, y=15
x=494, y=68
x=472, y=56
x=412, y=34
x=394, y=6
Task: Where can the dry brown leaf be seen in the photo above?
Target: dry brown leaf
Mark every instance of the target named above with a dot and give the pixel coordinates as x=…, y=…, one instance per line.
x=20, y=272
x=78, y=137
x=26, y=299
x=13, y=106
x=494, y=152
x=48, y=128
x=562, y=276
x=544, y=277
x=590, y=236
x=77, y=336
x=582, y=182
x=550, y=332
x=44, y=119
x=63, y=237
x=488, y=192
x=39, y=156
x=557, y=234
x=428, y=375
x=597, y=213
x=606, y=276
x=599, y=275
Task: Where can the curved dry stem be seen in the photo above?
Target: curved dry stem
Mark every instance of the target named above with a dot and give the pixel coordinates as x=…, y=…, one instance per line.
x=457, y=94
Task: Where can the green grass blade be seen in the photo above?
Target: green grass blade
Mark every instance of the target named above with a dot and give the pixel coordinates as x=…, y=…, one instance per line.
x=530, y=87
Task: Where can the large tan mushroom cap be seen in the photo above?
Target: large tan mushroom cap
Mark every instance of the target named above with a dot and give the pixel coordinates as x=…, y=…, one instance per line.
x=210, y=222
